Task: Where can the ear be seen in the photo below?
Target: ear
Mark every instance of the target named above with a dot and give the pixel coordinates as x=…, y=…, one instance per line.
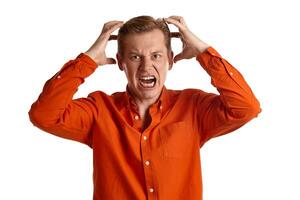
x=170, y=58
x=119, y=59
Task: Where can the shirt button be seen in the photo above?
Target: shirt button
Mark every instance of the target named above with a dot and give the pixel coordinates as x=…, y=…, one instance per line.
x=231, y=74
x=160, y=107
x=58, y=76
x=151, y=190
x=145, y=137
x=147, y=163
x=136, y=117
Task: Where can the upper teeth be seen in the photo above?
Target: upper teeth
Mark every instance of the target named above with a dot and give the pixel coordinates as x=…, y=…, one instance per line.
x=147, y=77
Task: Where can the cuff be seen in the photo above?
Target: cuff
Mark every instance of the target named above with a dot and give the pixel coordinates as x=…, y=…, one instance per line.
x=87, y=59
x=210, y=51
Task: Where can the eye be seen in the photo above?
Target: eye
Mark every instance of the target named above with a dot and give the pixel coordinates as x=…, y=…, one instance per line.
x=156, y=56
x=135, y=57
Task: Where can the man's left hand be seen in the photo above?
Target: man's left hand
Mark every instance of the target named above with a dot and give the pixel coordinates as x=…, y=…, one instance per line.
x=192, y=45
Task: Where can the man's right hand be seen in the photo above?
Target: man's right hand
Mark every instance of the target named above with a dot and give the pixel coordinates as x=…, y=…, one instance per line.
x=97, y=50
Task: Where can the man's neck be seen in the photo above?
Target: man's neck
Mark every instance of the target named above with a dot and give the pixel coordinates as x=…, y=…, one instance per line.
x=144, y=106
x=143, y=109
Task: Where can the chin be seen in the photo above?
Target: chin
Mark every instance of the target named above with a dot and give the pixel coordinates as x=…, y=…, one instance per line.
x=147, y=93
x=153, y=94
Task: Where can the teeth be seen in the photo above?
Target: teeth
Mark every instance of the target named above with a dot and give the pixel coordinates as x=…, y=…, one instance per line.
x=147, y=81
x=147, y=85
x=147, y=77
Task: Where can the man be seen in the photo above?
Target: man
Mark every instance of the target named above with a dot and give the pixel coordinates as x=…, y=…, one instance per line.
x=145, y=140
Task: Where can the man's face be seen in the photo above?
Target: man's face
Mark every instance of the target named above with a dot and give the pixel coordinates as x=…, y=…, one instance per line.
x=145, y=61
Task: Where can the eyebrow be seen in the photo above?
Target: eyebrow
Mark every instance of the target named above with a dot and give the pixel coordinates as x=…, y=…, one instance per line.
x=133, y=52
x=157, y=52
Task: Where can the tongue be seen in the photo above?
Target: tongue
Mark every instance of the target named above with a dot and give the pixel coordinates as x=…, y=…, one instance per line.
x=147, y=83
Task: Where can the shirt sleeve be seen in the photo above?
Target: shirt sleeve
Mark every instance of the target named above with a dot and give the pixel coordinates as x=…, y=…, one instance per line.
x=233, y=107
x=56, y=112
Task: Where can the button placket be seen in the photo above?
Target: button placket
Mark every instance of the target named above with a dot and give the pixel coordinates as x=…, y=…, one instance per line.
x=146, y=160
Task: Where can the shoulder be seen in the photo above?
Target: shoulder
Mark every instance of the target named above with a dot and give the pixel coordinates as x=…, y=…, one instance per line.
x=191, y=96
x=189, y=92
x=101, y=98
x=97, y=94
x=102, y=95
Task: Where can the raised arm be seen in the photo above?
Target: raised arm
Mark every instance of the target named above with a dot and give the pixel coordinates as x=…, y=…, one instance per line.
x=55, y=111
x=216, y=115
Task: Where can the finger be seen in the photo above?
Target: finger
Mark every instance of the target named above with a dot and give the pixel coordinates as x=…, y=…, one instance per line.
x=111, y=26
x=113, y=37
x=112, y=23
x=110, y=61
x=178, y=18
x=115, y=26
x=178, y=57
x=176, y=35
x=175, y=23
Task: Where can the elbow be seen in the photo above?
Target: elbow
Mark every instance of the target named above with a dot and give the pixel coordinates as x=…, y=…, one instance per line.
x=35, y=117
x=252, y=111
x=41, y=118
x=32, y=113
x=246, y=113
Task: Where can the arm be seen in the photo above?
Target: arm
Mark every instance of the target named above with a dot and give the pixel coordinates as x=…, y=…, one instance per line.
x=216, y=115
x=55, y=111
x=236, y=104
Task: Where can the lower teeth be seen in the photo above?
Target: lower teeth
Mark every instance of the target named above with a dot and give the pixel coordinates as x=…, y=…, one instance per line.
x=148, y=85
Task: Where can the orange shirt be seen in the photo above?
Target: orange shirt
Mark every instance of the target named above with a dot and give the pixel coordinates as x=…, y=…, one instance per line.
x=163, y=161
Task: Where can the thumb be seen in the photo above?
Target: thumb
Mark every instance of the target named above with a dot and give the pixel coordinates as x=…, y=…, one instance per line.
x=178, y=57
x=110, y=61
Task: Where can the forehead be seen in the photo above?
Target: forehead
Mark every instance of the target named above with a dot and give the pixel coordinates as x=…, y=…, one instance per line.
x=145, y=42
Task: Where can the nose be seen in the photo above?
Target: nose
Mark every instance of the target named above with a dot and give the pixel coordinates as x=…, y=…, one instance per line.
x=146, y=62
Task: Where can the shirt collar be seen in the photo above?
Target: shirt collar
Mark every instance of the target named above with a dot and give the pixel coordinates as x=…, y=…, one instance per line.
x=162, y=101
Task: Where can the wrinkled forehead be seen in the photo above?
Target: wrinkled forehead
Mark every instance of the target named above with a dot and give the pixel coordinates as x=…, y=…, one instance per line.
x=147, y=42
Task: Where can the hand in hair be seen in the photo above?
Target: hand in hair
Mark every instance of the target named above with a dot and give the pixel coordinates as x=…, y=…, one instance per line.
x=192, y=45
x=97, y=50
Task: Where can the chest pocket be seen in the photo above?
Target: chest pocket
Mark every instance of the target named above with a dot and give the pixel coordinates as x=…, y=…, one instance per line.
x=176, y=139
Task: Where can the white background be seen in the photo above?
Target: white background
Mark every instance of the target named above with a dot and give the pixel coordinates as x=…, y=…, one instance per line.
x=260, y=161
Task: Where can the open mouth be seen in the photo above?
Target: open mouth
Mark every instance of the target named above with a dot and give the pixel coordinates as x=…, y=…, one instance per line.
x=147, y=81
